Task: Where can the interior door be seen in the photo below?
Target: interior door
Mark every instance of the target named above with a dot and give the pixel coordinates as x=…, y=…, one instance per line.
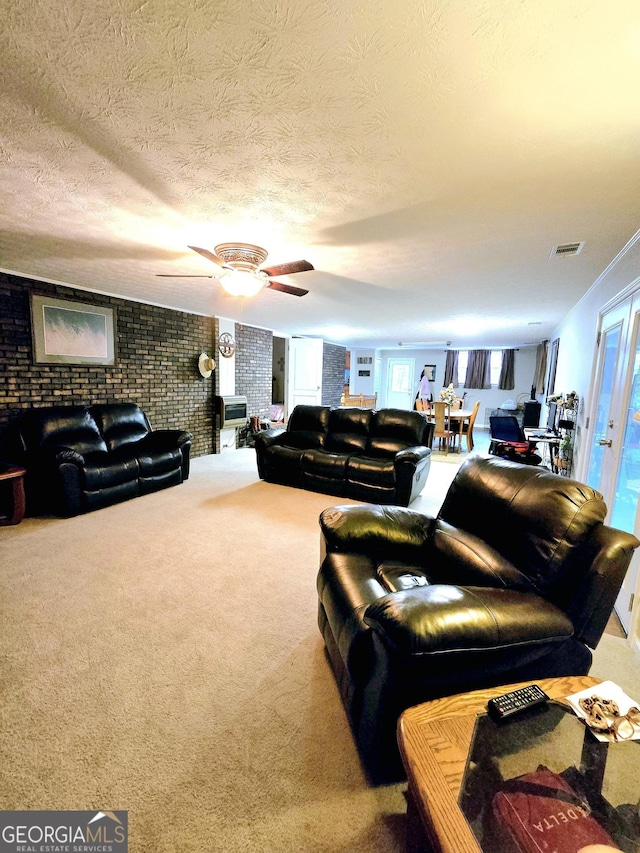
x=400, y=391
x=614, y=459
x=304, y=372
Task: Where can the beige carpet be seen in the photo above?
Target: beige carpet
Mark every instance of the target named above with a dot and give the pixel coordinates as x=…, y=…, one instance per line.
x=162, y=656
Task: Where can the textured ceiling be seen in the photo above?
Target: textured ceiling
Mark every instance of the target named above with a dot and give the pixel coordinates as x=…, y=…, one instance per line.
x=424, y=156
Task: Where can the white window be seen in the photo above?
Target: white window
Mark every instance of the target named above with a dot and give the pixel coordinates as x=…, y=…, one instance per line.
x=400, y=378
x=496, y=366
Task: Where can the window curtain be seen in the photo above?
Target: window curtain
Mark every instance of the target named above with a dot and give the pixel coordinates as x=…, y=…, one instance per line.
x=541, y=369
x=507, y=380
x=451, y=368
x=478, y=369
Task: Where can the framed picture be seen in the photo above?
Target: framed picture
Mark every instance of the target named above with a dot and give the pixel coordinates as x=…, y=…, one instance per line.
x=67, y=332
x=430, y=372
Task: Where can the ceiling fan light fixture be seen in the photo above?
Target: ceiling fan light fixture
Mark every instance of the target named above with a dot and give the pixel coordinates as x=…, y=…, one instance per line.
x=241, y=283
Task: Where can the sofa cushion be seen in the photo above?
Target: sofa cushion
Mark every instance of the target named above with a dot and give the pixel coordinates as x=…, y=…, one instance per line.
x=393, y=430
x=307, y=427
x=460, y=557
x=324, y=464
x=444, y=619
x=120, y=423
x=348, y=430
x=376, y=471
x=102, y=471
x=533, y=518
x=152, y=464
x=61, y=426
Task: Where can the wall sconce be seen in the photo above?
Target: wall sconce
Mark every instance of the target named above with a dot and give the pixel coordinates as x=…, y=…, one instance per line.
x=206, y=365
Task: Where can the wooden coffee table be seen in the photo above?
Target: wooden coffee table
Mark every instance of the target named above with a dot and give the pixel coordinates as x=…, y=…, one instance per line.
x=434, y=740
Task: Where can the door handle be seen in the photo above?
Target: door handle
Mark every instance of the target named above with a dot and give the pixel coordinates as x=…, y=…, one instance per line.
x=605, y=442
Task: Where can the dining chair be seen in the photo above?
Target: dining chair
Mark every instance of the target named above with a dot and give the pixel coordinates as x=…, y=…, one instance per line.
x=467, y=426
x=442, y=417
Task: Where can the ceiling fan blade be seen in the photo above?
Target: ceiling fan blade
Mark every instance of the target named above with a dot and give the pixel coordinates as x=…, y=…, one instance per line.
x=167, y=275
x=210, y=256
x=286, y=288
x=288, y=269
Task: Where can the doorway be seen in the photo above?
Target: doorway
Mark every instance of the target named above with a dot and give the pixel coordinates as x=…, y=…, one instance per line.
x=400, y=373
x=614, y=455
x=278, y=361
x=304, y=372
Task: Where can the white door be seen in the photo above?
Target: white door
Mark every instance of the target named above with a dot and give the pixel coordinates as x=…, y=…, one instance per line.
x=400, y=390
x=614, y=460
x=304, y=372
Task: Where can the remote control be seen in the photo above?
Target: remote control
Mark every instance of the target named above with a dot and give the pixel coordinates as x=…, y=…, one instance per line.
x=518, y=700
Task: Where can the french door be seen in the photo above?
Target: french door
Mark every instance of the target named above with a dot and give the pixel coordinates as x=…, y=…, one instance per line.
x=614, y=455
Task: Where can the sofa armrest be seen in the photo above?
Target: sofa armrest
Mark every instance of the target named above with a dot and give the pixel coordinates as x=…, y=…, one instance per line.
x=588, y=592
x=268, y=437
x=66, y=454
x=443, y=618
x=427, y=437
x=412, y=455
x=385, y=530
x=52, y=456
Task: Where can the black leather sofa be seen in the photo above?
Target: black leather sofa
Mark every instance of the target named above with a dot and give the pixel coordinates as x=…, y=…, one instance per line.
x=382, y=456
x=514, y=580
x=80, y=458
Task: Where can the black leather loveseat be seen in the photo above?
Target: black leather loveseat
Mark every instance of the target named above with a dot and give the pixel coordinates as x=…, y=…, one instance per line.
x=80, y=458
x=514, y=580
x=382, y=456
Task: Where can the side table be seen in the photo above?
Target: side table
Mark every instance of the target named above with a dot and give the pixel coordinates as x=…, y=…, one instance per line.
x=434, y=740
x=13, y=476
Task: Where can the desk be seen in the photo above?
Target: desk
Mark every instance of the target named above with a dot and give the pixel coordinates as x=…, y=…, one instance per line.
x=550, y=443
x=434, y=740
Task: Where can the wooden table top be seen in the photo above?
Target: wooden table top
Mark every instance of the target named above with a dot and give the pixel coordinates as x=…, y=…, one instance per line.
x=10, y=472
x=434, y=740
x=456, y=414
x=460, y=414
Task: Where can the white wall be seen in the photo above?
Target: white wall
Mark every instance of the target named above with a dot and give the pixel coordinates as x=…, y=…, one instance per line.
x=576, y=364
x=362, y=384
x=226, y=368
x=577, y=334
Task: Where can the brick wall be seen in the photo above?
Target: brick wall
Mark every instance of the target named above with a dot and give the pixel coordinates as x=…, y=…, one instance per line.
x=157, y=353
x=254, y=368
x=333, y=366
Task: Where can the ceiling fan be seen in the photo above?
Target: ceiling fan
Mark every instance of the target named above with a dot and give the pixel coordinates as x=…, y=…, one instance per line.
x=240, y=271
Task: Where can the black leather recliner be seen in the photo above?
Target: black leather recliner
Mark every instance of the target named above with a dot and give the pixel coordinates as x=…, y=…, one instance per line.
x=382, y=456
x=80, y=458
x=514, y=579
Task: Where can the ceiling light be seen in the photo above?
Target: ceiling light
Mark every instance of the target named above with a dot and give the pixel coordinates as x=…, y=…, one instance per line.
x=243, y=282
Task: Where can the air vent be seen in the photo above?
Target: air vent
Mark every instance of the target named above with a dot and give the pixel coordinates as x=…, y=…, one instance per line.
x=566, y=249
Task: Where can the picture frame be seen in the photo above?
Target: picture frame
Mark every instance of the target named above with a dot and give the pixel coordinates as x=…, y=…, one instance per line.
x=430, y=372
x=69, y=332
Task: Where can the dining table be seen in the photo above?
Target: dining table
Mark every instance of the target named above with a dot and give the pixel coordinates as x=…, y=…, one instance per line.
x=458, y=418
